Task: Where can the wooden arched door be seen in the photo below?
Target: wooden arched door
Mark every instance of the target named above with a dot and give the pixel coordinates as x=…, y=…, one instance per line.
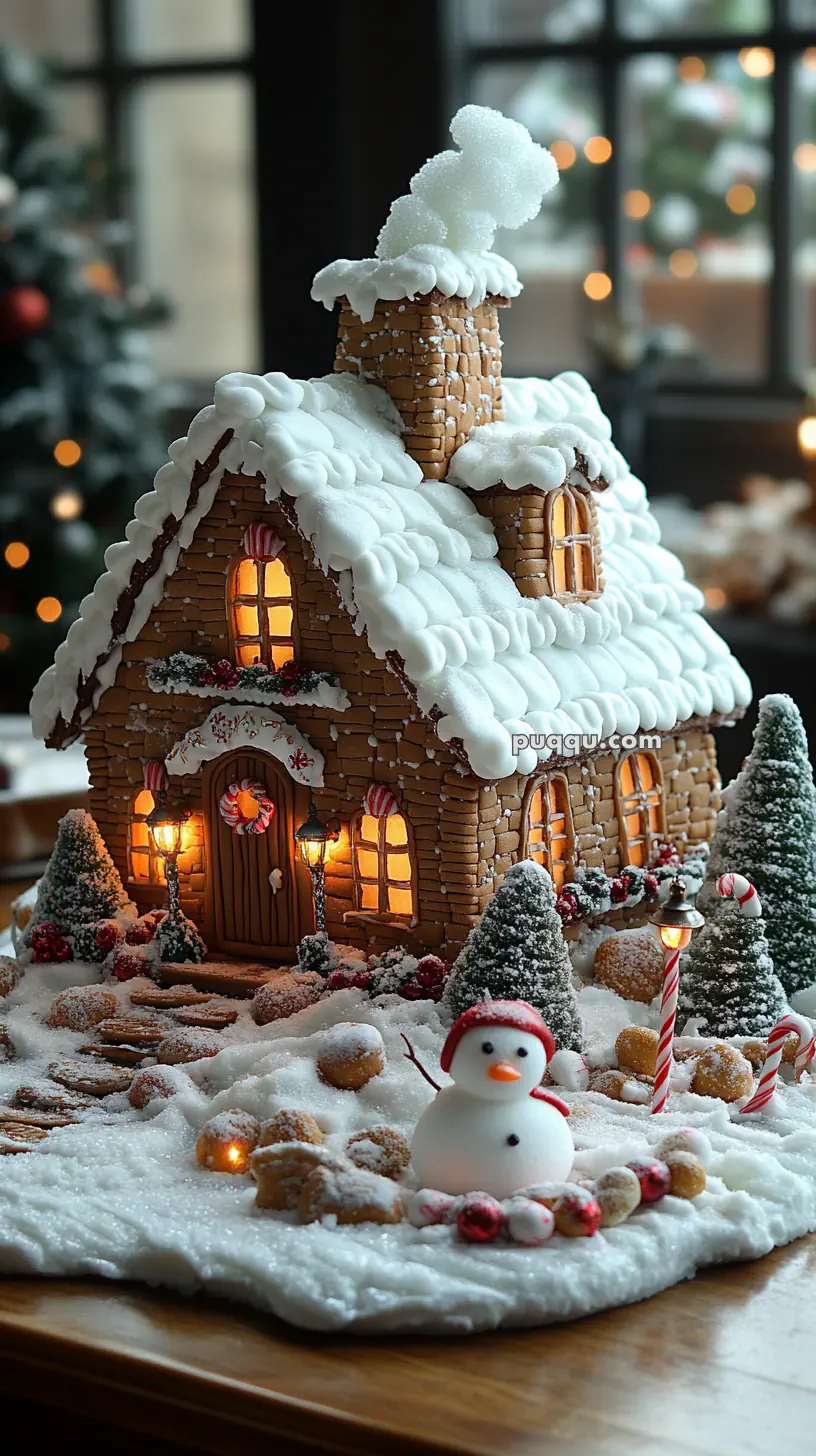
x=246, y=916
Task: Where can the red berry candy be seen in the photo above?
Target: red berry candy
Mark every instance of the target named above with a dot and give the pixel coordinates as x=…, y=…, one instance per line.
x=207, y=677
x=128, y=963
x=139, y=933
x=411, y=990
x=107, y=936
x=567, y=906
x=430, y=971
x=480, y=1218
x=339, y=980
x=651, y=885
x=654, y=1178
x=577, y=1215
x=362, y=980
x=226, y=675
x=618, y=891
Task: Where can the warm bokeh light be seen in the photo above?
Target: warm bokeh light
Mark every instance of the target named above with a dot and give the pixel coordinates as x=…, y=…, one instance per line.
x=757, y=61
x=67, y=452
x=740, y=198
x=805, y=156
x=564, y=154
x=809, y=58
x=49, y=609
x=637, y=203
x=5, y=642
x=597, y=286
x=683, y=263
x=715, y=598
x=806, y=434
x=691, y=69
x=234, y=1154
x=598, y=149
x=16, y=554
x=66, y=505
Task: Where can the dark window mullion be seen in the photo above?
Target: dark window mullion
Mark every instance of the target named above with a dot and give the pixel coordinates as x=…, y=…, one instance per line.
x=611, y=173
x=779, y=296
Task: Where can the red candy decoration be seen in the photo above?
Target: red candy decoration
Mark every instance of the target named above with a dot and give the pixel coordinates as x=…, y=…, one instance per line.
x=140, y=933
x=567, y=906
x=431, y=971
x=480, y=1218
x=23, y=311
x=107, y=936
x=127, y=964
x=618, y=891
x=667, y=854
x=226, y=675
x=651, y=885
x=411, y=990
x=654, y=1178
x=577, y=1215
x=207, y=677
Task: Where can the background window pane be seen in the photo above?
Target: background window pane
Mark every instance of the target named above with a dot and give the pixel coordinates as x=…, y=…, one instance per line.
x=195, y=220
x=183, y=29
x=79, y=112
x=506, y=20
x=555, y=253
x=696, y=203
x=57, y=30
x=804, y=184
x=674, y=17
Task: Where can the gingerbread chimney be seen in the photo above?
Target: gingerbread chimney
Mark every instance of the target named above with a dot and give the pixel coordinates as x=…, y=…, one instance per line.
x=440, y=360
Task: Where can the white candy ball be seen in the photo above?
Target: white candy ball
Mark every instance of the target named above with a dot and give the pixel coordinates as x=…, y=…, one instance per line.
x=686, y=1140
x=429, y=1206
x=570, y=1070
x=528, y=1223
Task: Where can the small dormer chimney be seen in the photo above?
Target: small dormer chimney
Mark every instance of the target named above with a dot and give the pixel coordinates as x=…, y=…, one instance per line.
x=439, y=359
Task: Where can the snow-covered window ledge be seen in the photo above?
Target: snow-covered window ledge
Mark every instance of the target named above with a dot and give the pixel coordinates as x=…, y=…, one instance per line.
x=186, y=672
x=373, y=918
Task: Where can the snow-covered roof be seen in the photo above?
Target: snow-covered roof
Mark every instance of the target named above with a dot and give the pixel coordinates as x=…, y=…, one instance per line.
x=417, y=570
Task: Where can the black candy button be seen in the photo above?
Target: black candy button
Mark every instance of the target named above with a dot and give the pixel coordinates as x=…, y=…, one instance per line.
x=513, y=1140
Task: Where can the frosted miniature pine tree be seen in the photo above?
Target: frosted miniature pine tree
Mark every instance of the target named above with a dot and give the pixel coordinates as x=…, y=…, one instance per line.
x=767, y=831
x=517, y=952
x=727, y=979
x=81, y=884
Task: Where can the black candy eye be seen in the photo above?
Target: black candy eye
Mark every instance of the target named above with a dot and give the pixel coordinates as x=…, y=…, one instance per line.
x=522, y=1052
x=487, y=1047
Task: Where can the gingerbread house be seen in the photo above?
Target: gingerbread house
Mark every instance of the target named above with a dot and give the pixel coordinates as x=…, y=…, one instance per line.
x=431, y=601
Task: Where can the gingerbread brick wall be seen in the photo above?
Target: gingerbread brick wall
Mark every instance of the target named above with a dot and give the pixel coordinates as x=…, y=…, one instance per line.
x=519, y=520
x=440, y=361
x=379, y=737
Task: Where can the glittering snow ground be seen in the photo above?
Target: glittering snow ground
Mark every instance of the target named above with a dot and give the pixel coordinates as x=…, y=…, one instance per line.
x=119, y=1194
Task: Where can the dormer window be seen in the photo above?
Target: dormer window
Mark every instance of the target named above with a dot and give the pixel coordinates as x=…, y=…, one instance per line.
x=260, y=607
x=573, y=552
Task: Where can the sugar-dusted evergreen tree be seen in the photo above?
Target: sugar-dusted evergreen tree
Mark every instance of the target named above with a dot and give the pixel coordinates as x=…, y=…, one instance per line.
x=81, y=884
x=767, y=831
x=727, y=979
x=178, y=940
x=518, y=952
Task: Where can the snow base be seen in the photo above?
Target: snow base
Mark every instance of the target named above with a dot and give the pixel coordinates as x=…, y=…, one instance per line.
x=119, y=1194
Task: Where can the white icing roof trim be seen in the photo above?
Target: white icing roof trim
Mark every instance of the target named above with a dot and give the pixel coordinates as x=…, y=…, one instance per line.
x=224, y=730
x=417, y=571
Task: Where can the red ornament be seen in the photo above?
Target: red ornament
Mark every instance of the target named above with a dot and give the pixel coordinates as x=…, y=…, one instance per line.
x=567, y=906
x=480, y=1218
x=411, y=990
x=362, y=980
x=618, y=891
x=651, y=885
x=667, y=854
x=107, y=936
x=431, y=971
x=207, y=677
x=226, y=675
x=654, y=1178
x=127, y=964
x=23, y=312
x=289, y=670
x=139, y=933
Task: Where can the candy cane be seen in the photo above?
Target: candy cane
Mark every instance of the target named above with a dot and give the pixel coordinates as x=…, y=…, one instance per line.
x=736, y=887
x=668, y=1016
x=776, y=1041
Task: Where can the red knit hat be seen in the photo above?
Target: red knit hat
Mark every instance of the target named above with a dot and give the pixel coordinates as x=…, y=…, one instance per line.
x=518, y=1014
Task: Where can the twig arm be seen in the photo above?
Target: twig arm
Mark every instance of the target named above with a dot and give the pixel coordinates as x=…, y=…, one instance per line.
x=411, y=1056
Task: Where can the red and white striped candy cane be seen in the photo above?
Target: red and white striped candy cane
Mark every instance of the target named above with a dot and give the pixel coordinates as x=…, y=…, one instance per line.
x=736, y=887
x=776, y=1041
x=668, y=1016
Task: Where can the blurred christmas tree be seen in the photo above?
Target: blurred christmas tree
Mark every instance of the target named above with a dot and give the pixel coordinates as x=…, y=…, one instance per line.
x=80, y=406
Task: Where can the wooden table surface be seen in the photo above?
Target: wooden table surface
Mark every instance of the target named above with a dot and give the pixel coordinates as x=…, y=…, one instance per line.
x=723, y=1364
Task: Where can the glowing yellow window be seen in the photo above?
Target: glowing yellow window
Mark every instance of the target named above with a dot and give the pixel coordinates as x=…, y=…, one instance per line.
x=550, y=838
x=146, y=866
x=640, y=806
x=383, y=874
x=572, y=547
x=261, y=612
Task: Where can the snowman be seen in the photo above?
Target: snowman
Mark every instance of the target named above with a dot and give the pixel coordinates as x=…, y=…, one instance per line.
x=496, y=1129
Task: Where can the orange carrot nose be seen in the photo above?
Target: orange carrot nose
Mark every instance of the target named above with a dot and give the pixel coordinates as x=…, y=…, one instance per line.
x=503, y=1072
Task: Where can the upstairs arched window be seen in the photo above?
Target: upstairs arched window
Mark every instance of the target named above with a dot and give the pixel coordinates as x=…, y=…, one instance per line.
x=260, y=607
x=550, y=839
x=382, y=859
x=640, y=807
x=573, y=550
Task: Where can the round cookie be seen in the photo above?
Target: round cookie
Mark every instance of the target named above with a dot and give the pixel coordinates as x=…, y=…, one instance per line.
x=631, y=964
x=189, y=1044
x=381, y=1150
x=165, y=998
x=351, y=1197
x=688, y=1176
x=283, y=997
x=350, y=1054
x=90, y=1079
x=617, y=1193
x=214, y=1018
x=290, y=1126
x=81, y=1007
x=9, y=975
x=723, y=1072
x=577, y=1214
x=686, y=1140
x=282, y=1169
x=636, y=1049
x=152, y=1082
x=227, y=1141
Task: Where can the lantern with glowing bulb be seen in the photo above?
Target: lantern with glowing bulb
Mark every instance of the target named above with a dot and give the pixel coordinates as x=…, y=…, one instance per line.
x=313, y=838
x=166, y=826
x=676, y=921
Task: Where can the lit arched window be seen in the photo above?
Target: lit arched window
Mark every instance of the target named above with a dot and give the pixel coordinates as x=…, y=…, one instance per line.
x=383, y=866
x=640, y=806
x=573, y=552
x=145, y=864
x=550, y=839
x=261, y=612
